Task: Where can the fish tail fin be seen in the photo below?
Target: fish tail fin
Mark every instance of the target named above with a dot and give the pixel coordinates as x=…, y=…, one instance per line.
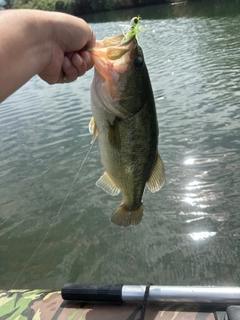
x=124, y=217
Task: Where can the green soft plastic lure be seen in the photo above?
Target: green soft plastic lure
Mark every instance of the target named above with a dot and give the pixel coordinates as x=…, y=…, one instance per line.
x=133, y=29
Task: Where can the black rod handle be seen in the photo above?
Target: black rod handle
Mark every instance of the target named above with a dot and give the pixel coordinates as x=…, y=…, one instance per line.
x=92, y=292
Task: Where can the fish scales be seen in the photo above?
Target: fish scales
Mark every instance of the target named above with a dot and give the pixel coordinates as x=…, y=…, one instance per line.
x=125, y=121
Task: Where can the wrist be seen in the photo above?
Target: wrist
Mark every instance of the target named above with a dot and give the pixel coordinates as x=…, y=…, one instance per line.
x=42, y=40
x=25, y=48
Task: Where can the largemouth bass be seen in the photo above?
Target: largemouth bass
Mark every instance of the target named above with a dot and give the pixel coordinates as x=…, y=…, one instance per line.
x=125, y=121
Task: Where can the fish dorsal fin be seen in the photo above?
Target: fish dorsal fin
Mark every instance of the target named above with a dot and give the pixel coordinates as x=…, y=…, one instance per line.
x=93, y=129
x=156, y=180
x=114, y=138
x=106, y=183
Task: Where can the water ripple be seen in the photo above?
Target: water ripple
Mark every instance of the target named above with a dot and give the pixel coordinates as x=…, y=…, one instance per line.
x=190, y=230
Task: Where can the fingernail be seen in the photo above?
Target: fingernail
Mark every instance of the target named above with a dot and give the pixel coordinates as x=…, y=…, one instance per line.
x=66, y=62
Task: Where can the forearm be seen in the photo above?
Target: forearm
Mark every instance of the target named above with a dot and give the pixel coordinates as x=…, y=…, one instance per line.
x=25, y=47
x=51, y=44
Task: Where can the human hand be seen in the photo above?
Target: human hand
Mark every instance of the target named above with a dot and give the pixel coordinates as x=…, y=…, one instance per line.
x=53, y=45
x=70, y=39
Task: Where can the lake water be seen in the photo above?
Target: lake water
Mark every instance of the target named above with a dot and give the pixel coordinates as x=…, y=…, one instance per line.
x=190, y=232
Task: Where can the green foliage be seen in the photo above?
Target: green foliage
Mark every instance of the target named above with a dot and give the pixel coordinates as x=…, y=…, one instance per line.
x=69, y=6
x=8, y=4
x=79, y=7
x=63, y=6
x=101, y=5
x=48, y=5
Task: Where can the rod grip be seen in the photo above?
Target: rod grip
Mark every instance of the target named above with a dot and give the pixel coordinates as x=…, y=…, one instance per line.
x=92, y=292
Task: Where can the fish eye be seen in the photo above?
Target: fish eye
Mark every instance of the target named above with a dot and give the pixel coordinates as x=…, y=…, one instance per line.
x=138, y=62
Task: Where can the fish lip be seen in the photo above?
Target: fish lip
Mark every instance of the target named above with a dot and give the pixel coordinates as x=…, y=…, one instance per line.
x=112, y=42
x=105, y=54
x=101, y=48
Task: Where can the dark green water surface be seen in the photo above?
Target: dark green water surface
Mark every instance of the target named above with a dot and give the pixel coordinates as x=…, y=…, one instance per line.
x=190, y=232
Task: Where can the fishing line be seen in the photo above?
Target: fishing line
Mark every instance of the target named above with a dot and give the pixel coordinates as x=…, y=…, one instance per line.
x=55, y=219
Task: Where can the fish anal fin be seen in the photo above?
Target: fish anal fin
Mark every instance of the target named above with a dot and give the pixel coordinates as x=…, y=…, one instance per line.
x=93, y=129
x=106, y=183
x=124, y=217
x=156, y=180
x=114, y=135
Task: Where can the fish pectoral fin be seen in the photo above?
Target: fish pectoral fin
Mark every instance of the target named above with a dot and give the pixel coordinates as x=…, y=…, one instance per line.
x=107, y=184
x=114, y=135
x=156, y=180
x=91, y=125
x=93, y=129
x=124, y=217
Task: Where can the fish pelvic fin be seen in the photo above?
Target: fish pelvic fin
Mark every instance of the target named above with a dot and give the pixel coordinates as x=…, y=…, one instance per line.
x=156, y=180
x=124, y=217
x=106, y=183
x=93, y=129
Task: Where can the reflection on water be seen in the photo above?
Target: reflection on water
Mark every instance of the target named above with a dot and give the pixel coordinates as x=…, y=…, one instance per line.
x=190, y=231
x=201, y=235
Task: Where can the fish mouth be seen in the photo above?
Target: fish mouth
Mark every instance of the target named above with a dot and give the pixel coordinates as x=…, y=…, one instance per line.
x=112, y=54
